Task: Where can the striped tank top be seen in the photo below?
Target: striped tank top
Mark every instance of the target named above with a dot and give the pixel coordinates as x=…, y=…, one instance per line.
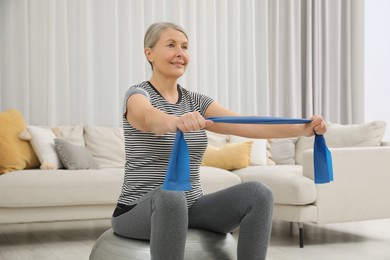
x=147, y=154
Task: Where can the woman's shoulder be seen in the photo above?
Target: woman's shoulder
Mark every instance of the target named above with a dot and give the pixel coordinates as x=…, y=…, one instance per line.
x=143, y=85
x=141, y=88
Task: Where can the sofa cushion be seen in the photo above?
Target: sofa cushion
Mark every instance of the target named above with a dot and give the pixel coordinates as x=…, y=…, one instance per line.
x=106, y=145
x=214, y=179
x=229, y=157
x=73, y=134
x=355, y=135
x=42, y=141
x=258, y=153
x=84, y=187
x=34, y=188
x=15, y=154
x=283, y=150
x=287, y=183
x=217, y=139
x=74, y=157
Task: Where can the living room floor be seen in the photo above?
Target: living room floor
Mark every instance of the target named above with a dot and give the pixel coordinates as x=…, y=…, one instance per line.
x=74, y=240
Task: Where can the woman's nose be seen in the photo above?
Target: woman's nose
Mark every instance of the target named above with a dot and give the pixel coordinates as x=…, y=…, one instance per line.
x=179, y=52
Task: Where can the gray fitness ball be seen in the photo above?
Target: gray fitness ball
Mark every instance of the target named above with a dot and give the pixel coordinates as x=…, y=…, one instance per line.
x=200, y=244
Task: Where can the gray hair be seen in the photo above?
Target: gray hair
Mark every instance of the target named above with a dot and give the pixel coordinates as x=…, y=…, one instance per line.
x=153, y=33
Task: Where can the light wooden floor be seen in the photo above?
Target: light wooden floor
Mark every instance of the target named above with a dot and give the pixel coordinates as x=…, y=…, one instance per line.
x=74, y=240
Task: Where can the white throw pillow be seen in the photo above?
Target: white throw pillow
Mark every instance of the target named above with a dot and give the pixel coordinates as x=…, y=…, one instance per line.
x=216, y=139
x=106, y=145
x=283, y=150
x=73, y=134
x=42, y=141
x=258, y=154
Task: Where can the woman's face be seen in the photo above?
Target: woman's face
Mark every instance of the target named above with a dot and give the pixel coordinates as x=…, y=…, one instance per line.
x=170, y=55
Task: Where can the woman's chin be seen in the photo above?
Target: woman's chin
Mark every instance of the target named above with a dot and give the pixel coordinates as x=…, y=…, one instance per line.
x=179, y=73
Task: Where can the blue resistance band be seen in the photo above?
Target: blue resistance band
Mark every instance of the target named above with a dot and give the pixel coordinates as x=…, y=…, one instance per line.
x=178, y=171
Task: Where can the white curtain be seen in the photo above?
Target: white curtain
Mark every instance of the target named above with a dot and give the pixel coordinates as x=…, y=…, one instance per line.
x=316, y=59
x=71, y=61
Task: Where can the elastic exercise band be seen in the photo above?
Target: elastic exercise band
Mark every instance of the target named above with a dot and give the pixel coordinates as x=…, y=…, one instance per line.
x=178, y=171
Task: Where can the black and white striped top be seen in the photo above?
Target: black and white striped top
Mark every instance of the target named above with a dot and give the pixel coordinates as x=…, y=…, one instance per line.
x=147, y=154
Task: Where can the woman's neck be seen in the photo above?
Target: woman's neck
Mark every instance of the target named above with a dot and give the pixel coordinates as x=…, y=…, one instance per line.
x=166, y=87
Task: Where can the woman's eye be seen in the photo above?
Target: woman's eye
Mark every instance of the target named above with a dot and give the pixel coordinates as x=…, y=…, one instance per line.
x=171, y=45
x=185, y=47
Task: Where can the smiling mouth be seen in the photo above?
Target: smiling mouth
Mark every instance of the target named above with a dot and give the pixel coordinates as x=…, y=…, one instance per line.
x=177, y=63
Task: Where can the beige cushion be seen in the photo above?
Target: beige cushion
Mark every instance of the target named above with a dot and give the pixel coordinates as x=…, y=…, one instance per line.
x=214, y=179
x=15, y=154
x=286, y=182
x=229, y=157
x=60, y=187
x=283, y=150
x=73, y=134
x=217, y=139
x=106, y=145
x=355, y=135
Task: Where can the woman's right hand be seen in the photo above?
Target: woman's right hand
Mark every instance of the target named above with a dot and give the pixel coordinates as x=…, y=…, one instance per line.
x=192, y=121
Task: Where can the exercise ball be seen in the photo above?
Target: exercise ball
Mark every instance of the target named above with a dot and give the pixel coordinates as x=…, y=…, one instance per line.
x=200, y=245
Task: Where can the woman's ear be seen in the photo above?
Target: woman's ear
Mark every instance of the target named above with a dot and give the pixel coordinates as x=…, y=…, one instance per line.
x=148, y=54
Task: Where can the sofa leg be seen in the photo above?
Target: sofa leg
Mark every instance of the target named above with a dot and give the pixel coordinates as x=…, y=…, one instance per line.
x=300, y=225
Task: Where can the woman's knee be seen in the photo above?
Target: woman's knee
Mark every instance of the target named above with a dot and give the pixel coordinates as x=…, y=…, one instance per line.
x=169, y=201
x=260, y=193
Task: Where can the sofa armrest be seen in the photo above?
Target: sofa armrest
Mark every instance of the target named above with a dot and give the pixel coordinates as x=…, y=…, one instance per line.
x=360, y=190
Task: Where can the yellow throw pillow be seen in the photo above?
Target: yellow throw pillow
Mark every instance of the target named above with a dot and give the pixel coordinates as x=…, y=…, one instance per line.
x=15, y=154
x=231, y=156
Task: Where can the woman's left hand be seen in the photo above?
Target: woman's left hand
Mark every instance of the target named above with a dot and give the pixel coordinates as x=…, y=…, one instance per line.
x=316, y=126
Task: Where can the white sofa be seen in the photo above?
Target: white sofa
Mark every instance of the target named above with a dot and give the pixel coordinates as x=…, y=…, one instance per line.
x=37, y=195
x=359, y=191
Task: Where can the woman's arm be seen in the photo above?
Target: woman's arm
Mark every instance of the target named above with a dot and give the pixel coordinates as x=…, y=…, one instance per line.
x=262, y=130
x=144, y=117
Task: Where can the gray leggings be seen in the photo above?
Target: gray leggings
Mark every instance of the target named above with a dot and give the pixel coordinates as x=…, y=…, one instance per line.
x=163, y=217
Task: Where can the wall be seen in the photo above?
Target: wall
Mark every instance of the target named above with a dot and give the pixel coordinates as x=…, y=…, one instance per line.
x=377, y=62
